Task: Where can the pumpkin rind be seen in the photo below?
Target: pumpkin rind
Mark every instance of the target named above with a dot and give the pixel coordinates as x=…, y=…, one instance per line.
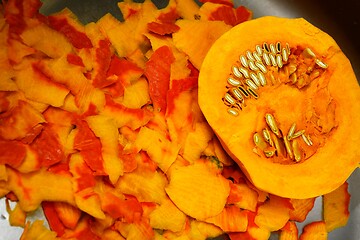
x=333, y=162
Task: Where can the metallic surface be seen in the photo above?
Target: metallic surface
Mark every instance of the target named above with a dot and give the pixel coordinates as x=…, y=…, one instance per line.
x=341, y=19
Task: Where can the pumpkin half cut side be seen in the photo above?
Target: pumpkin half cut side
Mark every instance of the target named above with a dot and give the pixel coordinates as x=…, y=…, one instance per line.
x=284, y=101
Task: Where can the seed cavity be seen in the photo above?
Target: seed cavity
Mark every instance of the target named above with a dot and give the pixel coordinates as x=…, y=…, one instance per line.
x=264, y=65
x=272, y=143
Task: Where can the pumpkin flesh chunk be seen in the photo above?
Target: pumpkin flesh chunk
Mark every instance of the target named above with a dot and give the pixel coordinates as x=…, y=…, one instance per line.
x=301, y=208
x=289, y=231
x=197, y=50
x=314, y=230
x=31, y=189
x=106, y=129
x=147, y=186
x=336, y=208
x=275, y=206
x=231, y=219
x=158, y=147
x=167, y=216
x=199, y=183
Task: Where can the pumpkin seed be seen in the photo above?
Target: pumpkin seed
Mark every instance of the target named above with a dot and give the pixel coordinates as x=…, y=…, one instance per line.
x=270, y=120
x=262, y=78
x=296, y=150
x=307, y=139
x=288, y=49
x=288, y=148
x=253, y=93
x=244, y=72
x=292, y=68
x=321, y=63
x=249, y=55
x=273, y=59
x=269, y=152
x=244, y=92
x=237, y=94
x=266, y=47
x=257, y=56
x=285, y=55
x=272, y=78
x=314, y=74
x=261, y=66
x=259, y=49
x=266, y=58
x=255, y=79
x=267, y=136
x=308, y=53
x=259, y=141
x=279, y=146
x=272, y=48
x=279, y=61
x=229, y=99
x=233, y=82
x=252, y=66
x=236, y=72
x=291, y=131
x=293, y=78
x=233, y=112
x=301, y=81
x=251, y=84
x=297, y=134
x=278, y=47
x=243, y=61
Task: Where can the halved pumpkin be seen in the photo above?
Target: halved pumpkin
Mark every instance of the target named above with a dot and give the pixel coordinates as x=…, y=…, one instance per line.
x=283, y=99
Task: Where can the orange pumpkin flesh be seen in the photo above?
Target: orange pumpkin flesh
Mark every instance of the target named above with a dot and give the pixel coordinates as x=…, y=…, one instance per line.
x=326, y=107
